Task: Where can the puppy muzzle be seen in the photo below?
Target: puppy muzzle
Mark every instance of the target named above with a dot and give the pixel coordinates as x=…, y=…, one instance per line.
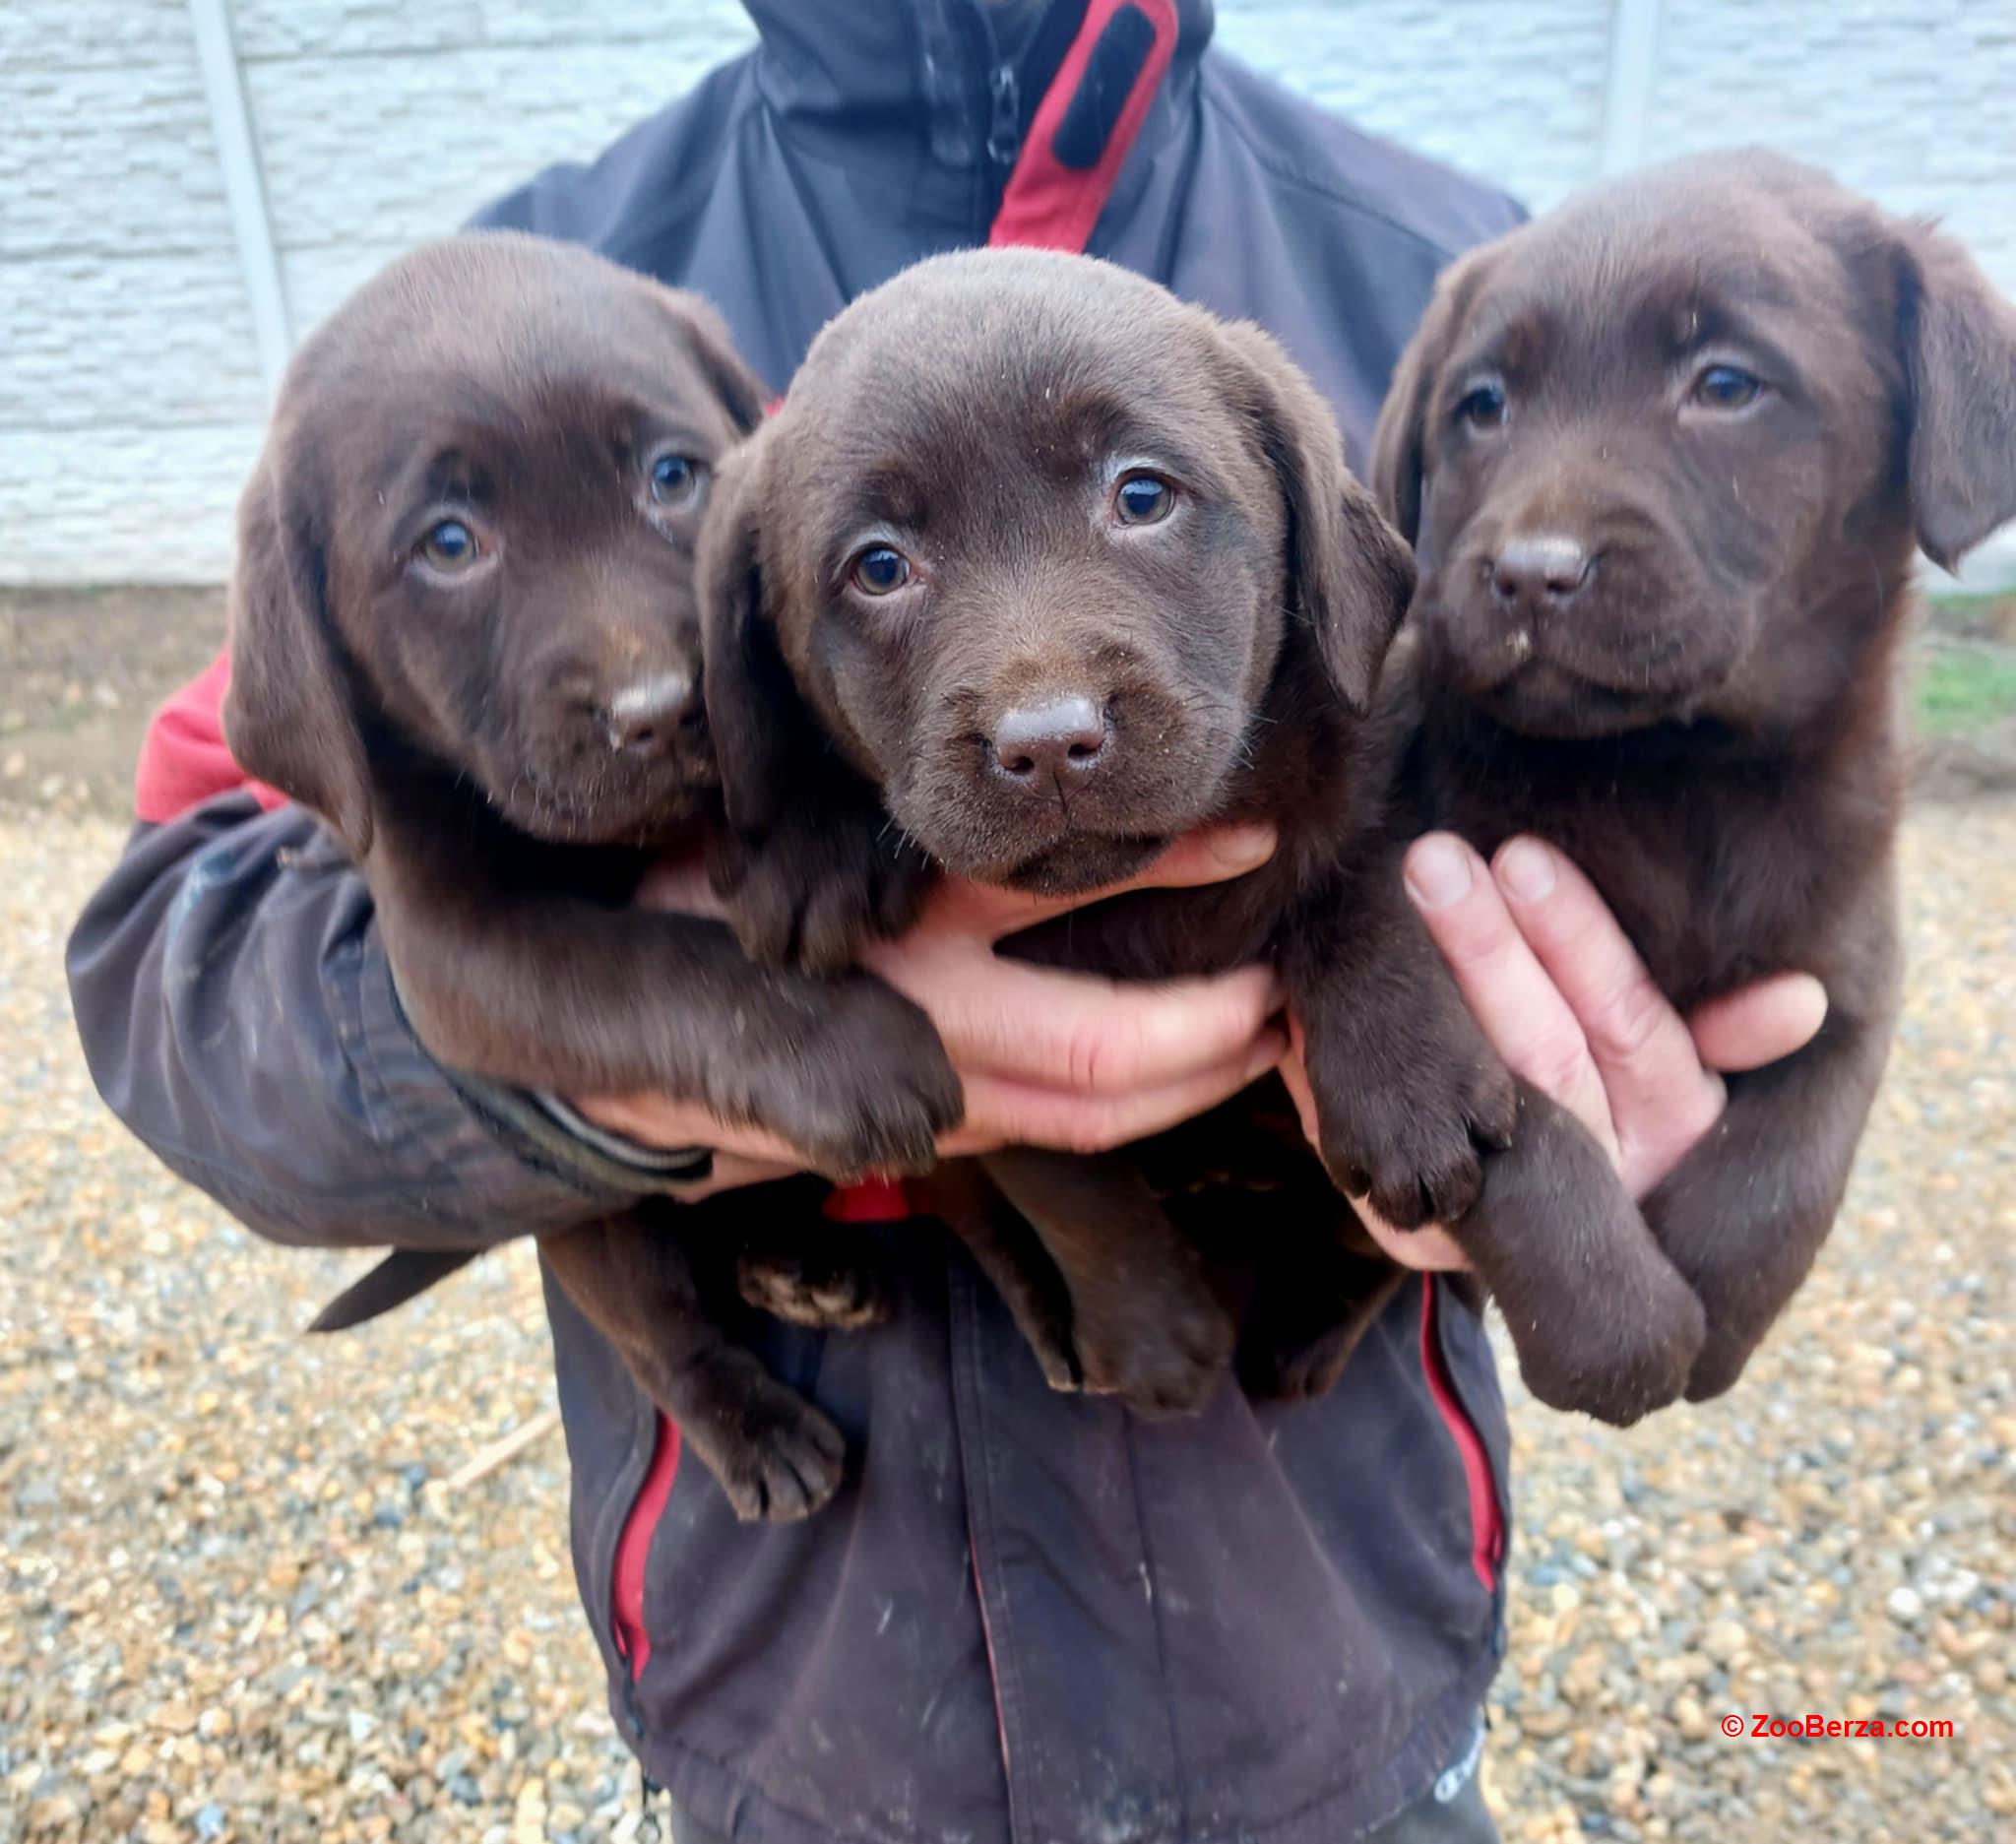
x=1558, y=636
x=1065, y=791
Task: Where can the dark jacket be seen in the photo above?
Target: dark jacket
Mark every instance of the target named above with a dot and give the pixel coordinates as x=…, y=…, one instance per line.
x=1030, y=1617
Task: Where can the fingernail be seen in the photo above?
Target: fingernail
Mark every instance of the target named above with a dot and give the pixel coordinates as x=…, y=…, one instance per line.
x=1526, y=868
x=1812, y=996
x=1437, y=872
x=1242, y=848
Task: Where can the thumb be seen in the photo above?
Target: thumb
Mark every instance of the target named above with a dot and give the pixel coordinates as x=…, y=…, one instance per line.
x=1759, y=1023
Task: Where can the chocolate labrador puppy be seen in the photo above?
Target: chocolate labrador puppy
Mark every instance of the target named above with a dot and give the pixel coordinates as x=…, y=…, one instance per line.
x=1664, y=456
x=463, y=631
x=1037, y=568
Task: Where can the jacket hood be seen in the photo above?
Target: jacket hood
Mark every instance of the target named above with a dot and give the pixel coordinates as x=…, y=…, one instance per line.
x=931, y=67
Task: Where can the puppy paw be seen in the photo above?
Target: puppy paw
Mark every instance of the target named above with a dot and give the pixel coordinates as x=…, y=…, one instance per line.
x=1025, y=1277
x=1717, y=1368
x=861, y=1084
x=1743, y=1274
x=1056, y=1358
x=1415, y=1140
x=815, y=1285
x=1409, y=1096
x=784, y=1459
x=1624, y=1353
x=1735, y=1328
x=1160, y=1367
x=813, y=893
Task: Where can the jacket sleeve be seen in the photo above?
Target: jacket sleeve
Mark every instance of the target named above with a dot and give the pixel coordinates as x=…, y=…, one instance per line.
x=238, y=1013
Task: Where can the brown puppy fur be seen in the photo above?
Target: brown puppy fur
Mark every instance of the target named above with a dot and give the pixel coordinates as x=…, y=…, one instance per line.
x=463, y=631
x=1037, y=568
x=1664, y=455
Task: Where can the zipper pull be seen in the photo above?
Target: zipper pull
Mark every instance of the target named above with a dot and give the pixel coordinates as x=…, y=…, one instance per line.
x=649, y=1830
x=1004, y=130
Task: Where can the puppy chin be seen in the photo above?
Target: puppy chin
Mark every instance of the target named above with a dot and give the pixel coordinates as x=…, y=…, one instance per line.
x=1083, y=862
x=589, y=803
x=1064, y=865
x=1549, y=701
x=1552, y=688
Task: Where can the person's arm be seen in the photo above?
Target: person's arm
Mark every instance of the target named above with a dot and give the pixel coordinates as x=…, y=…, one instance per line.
x=236, y=1012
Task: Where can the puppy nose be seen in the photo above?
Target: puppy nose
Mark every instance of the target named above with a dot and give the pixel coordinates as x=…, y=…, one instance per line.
x=1545, y=569
x=1061, y=737
x=649, y=711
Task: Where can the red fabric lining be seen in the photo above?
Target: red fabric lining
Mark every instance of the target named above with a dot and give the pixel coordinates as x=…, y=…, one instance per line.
x=1487, y=1527
x=633, y=1549
x=184, y=761
x=979, y=1600
x=1045, y=205
x=872, y=1200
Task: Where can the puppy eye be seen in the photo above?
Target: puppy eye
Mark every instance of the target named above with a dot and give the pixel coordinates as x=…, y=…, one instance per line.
x=879, y=571
x=1143, y=499
x=449, y=546
x=1483, y=408
x=1725, y=387
x=674, y=479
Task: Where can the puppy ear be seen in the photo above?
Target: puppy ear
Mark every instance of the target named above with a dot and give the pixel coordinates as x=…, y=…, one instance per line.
x=1351, y=575
x=1959, y=350
x=753, y=709
x=289, y=715
x=707, y=337
x=1395, y=471
x=1398, y=465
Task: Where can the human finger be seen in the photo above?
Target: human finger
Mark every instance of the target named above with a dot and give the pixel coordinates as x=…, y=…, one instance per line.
x=1759, y=1023
x=1514, y=1000
x=1003, y=1112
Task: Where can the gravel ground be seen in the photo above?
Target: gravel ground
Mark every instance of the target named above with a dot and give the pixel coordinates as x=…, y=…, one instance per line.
x=238, y=1600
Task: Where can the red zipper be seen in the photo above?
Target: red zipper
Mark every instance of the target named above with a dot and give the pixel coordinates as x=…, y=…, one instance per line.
x=633, y=1546
x=874, y=1200
x=1487, y=1522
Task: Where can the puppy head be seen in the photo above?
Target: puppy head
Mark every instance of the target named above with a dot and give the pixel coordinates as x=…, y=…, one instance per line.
x=1664, y=452
x=471, y=536
x=1030, y=540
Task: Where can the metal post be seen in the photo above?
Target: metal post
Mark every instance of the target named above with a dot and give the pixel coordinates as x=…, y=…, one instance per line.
x=230, y=122
x=1627, y=95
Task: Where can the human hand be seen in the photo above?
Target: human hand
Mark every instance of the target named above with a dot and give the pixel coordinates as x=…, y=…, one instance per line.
x=1564, y=999
x=1047, y=1058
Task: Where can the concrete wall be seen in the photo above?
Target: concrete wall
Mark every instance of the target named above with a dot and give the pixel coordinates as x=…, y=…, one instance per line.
x=132, y=280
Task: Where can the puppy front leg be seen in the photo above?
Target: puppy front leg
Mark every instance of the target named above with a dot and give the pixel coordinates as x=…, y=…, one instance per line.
x=1743, y=1215
x=558, y=992
x=1408, y=1095
x=777, y=1457
x=1603, y=1322
x=1415, y=1107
